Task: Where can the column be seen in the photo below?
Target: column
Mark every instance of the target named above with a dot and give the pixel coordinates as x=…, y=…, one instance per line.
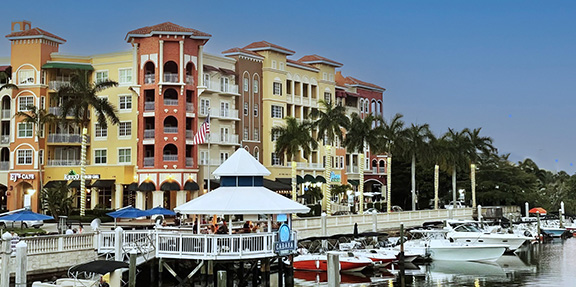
x=181, y=197
x=201, y=66
x=158, y=198
x=118, y=196
x=293, y=93
x=309, y=93
x=161, y=61
x=140, y=200
x=135, y=73
x=93, y=198
x=181, y=77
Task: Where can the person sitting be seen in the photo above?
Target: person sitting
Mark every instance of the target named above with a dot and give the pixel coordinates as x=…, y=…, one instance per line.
x=223, y=229
x=247, y=228
x=256, y=228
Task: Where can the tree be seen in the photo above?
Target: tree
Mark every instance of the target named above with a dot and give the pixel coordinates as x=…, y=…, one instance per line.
x=416, y=139
x=77, y=99
x=38, y=118
x=478, y=145
x=57, y=199
x=393, y=135
x=457, y=146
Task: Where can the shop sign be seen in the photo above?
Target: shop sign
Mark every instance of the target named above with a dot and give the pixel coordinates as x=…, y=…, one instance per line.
x=335, y=178
x=285, y=244
x=17, y=176
x=77, y=176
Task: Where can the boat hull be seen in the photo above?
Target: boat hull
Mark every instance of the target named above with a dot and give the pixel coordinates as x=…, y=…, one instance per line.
x=314, y=262
x=467, y=253
x=514, y=242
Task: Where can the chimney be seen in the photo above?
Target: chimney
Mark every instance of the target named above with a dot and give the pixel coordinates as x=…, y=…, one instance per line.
x=19, y=26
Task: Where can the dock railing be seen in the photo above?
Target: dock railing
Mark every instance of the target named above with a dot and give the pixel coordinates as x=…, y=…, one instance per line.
x=55, y=243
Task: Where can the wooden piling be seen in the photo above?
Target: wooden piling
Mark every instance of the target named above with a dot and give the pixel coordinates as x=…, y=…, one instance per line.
x=333, y=270
x=221, y=281
x=132, y=270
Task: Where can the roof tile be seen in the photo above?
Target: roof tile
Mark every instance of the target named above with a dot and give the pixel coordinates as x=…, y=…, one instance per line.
x=316, y=58
x=34, y=32
x=241, y=50
x=264, y=44
x=167, y=27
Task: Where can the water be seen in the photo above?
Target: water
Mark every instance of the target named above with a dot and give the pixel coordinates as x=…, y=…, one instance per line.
x=550, y=264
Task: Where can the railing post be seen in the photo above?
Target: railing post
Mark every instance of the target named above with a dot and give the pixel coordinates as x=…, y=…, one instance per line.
x=61, y=242
x=21, y=264
x=6, y=251
x=374, y=221
x=118, y=232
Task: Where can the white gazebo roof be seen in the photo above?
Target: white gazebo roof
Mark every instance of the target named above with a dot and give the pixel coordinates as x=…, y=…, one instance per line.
x=241, y=163
x=241, y=200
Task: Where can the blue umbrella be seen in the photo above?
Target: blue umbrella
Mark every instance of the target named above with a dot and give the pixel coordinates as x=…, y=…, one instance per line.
x=128, y=212
x=160, y=210
x=25, y=215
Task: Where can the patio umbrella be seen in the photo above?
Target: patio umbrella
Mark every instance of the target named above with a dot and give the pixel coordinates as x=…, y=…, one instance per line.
x=537, y=209
x=160, y=210
x=128, y=212
x=25, y=215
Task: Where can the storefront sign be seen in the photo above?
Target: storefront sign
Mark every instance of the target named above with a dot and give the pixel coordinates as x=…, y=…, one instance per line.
x=285, y=244
x=17, y=176
x=77, y=176
x=335, y=178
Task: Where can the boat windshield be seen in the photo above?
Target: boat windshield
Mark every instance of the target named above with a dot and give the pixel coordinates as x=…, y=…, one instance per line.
x=467, y=228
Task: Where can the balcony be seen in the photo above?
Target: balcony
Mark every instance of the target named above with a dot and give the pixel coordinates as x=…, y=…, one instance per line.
x=57, y=111
x=66, y=138
x=4, y=165
x=217, y=87
x=5, y=114
x=189, y=134
x=352, y=169
x=149, y=134
x=170, y=157
x=226, y=139
x=309, y=165
x=149, y=106
x=65, y=162
x=222, y=114
x=170, y=130
x=4, y=139
x=189, y=161
x=171, y=77
x=149, y=79
x=190, y=107
x=148, y=161
x=56, y=85
x=170, y=102
x=189, y=80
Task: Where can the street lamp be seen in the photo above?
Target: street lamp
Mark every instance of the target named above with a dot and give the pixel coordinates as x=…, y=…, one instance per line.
x=28, y=198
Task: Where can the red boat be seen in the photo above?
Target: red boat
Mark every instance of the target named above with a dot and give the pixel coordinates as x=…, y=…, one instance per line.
x=319, y=262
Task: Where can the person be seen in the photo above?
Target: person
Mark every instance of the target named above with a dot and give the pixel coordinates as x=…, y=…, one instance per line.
x=256, y=228
x=247, y=227
x=223, y=228
x=80, y=229
x=69, y=230
x=177, y=220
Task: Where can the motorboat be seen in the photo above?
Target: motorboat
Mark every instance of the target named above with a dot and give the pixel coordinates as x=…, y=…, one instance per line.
x=319, y=262
x=469, y=232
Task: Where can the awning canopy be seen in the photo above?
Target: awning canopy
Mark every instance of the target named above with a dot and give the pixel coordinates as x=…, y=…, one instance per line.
x=53, y=183
x=321, y=179
x=70, y=66
x=147, y=186
x=209, y=68
x=276, y=185
x=353, y=182
x=132, y=187
x=309, y=178
x=76, y=184
x=191, y=186
x=227, y=71
x=169, y=186
x=299, y=179
x=104, y=183
x=5, y=68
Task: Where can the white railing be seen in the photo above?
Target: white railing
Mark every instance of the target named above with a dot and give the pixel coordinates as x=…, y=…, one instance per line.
x=5, y=113
x=224, y=139
x=189, y=80
x=4, y=139
x=189, y=161
x=190, y=107
x=149, y=106
x=170, y=130
x=149, y=78
x=66, y=138
x=218, y=87
x=170, y=157
x=171, y=77
x=130, y=238
x=56, y=85
x=149, y=134
x=57, y=111
x=170, y=102
x=4, y=165
x=352, y=169
x=222, y=113
x=54, y=243
x=309, y=165
x=149, y=161
x=65, y=162
x=189, y=134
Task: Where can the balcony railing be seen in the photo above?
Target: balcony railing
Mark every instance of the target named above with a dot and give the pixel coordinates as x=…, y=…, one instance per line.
x=149, y=106
x=171, y=77
x=57, y=111
x=189, y=134
x=4, y=139
x=352, y=169
x=149, y=78
x=222, y=114
x=217, y=86
x=4, y=165
x=148, y=161
x=170, y=102
x=224, y=139
x=65, y=162
x=149, y=134
x=189, y=80
x=56, y=85
x=190, y=107
x=5, y=113
x=189, y=161
x=170, y=157
x=66, y=138
x=309, y=165
x=170, y=130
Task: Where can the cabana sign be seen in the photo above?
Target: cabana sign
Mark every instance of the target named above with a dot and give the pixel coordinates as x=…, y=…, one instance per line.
x=285, y=244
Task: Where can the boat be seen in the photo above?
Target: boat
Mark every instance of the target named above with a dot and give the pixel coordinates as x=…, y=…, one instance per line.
x=469, y=232
x=319, y=262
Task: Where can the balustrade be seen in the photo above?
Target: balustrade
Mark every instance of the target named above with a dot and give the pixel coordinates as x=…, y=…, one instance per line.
x=149, y=106
x=149, y=161
x=171, y=77
x=5, y=113
x=149, y=134
x=170, y=130
x=170, y=157
x=170, y=102
x=149, y=78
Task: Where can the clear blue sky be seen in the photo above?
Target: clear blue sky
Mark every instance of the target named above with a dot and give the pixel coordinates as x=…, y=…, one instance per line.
x=505, y=66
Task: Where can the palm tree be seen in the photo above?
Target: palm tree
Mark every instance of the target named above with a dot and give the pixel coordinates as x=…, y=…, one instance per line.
x=291, y=139
x=39, y=118
x=329, y=120
x=416, y=144
x=360, y=133
x=457, y=146
x=77, y=99
x=393, y=136
x=57, y=199
x=479, y=145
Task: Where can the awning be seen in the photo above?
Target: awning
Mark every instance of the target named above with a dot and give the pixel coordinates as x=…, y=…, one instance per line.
x=169, y=186
x=213, y=184
x=103, y=183
x=147, y=186
x=353, y=182
x=320, y=179
x=76, y=184
x=53, y=183
x=299, y=179
x=210, y=68
x=5, y=68
x=309, y=178
x=131, y=187
x=191, y=186
x=70, y=66
x=276, y=185
x=227, y=72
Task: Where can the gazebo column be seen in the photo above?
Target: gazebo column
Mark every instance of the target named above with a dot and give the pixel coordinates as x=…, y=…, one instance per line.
x=158, y=198
x=140, y=197
x=181, y=197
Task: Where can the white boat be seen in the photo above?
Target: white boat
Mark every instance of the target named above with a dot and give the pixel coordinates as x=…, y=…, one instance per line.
x=469, y=232
x=319, y=262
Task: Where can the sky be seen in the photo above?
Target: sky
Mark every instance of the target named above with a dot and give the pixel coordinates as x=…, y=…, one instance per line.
x=506, y=66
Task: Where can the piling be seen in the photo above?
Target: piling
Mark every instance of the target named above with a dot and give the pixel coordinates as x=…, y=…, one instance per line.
x=132, y=270
x=333, y=269
x=21, y=263
x=221, y=281
x=538, y=226
x=6, y=251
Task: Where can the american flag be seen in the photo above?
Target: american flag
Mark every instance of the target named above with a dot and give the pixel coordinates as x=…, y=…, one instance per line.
x=200, y=136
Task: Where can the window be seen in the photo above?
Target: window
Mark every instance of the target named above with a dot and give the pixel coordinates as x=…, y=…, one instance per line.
x=246, y=88
x=327, y=97
x=101, y=76
x=255, y=110
x=275, y=136
x=99, y=131
x=361, y=106
x=204, y=106
x=225, y=109
x=100, y=156
x=277, y=112
x=324, y=76
x=245, y=108
x=245, y=132
x=224, y=84
x=256, y=134
x=26, y=77
x=42, y=102
x=255, y=85
x=41, y=156
x=24, y=102
x=125, y=129
x=24, y=156
x=276, y=159
x=273, y=64
x=223, y=157
x=281, y=66
x=124, y=155
x=203, y=157
x=277, y=89
x=224, y=135
x=341, y=162
x=125, y=76
x=331, y=77
x=126, y=103
x=25, y=130
x=207, y=80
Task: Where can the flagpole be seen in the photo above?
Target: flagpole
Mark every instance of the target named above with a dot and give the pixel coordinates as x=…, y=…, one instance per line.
x=209, y=158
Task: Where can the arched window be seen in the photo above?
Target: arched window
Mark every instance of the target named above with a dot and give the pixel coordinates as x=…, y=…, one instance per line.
x=149, y=73
x=170, y=153
x=170, y=125
x=171, y=72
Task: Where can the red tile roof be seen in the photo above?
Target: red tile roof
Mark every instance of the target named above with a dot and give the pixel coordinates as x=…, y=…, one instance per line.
x=33, y=32
x=240, y=50
x=311, y=59
x=167, y=27
x=263, y=45
x=354, y=81
x=301, y=64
